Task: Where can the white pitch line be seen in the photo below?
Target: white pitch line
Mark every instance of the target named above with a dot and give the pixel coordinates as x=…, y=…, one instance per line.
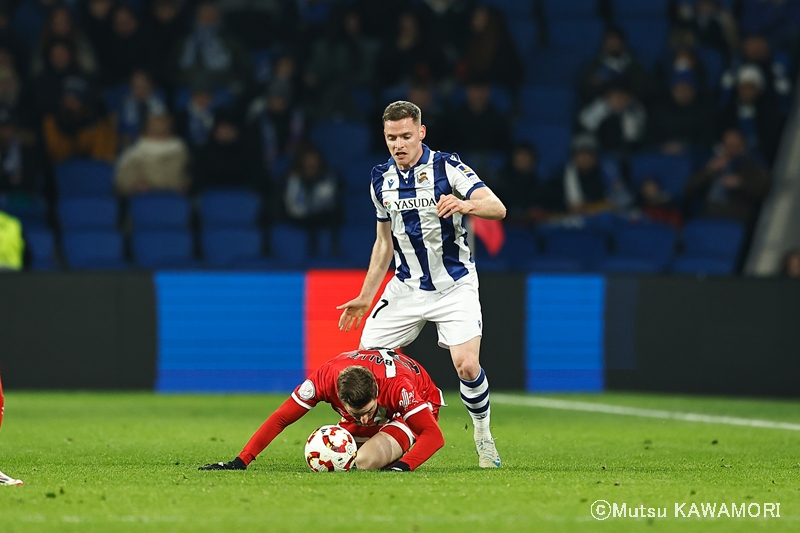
x=568, y=405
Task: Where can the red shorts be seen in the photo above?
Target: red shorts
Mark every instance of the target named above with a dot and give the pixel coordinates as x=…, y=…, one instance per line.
x=395, y=428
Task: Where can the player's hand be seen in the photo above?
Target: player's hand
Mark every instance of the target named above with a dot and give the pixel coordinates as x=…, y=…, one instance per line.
x=236, y=464
x=449, y=205
x=353, y=313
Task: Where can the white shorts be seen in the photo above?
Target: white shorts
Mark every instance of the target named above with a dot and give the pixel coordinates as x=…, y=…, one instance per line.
x=401, y=312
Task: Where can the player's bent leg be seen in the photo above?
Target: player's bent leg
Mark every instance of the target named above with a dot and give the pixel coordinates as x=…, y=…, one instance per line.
x=474, y=388
x=379, y=451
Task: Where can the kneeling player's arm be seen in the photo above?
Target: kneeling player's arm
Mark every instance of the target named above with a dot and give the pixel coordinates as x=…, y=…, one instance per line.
x=288, y=413
x=429, y=438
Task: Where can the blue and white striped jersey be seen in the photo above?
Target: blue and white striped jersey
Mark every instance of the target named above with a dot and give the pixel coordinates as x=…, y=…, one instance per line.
x=430, y=253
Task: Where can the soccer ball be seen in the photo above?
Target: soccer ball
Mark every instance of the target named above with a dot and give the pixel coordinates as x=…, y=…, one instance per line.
x=330, y=449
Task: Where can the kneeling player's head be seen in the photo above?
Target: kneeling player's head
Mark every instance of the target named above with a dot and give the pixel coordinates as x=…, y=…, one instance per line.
x=358, y=391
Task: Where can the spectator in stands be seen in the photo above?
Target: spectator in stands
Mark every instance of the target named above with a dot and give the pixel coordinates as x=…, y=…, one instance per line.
x=95, y=18
x=130, y=47
x=19, y=162
x=756, y=51
x=790, y=266
x=158, y=160
x=18, y=102
x=408, y=56
x=79, y=127
x=491, y=53
x=61, y=66
x=477, y=127
x=580, y=187
x=424, y=95
x=209, y=52
x=30, y=17
x=778, y=19
x=229, y=159
x=755, y=113
x=446, y=25
x=166, y=23
x=195, y=121
x=657, y=204
x=617, y=119
x=139, y=102
x=614, y=65
x=520, y=188
x=60, y=26
x=12, y=42
x=682, y=62
x=273, y=121
x=340, y=61
x=312, y=194
x=711, y=22
x=683, y=124
x=733, y=183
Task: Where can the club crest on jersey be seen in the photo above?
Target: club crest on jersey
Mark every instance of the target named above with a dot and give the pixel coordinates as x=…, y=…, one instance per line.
x=422, y=177
x=408, y=398
x=407, y=204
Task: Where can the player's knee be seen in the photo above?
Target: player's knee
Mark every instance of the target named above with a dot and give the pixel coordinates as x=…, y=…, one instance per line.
x=369, y=461
x=469, y=369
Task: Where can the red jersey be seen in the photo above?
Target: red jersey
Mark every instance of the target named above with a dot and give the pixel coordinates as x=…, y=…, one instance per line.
x=404, y=387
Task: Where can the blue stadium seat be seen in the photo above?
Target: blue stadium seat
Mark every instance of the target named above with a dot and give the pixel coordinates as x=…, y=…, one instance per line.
x=646, y=38
x=30, y=209
x=547, y=264
x=641, y=8
x=356, y=177
x=41, y=244
x=525, y=33
x=672, y=171
x=628, y=265
x=652, y=243
x=547, y=104
x=225, y=247
x=714, y=62
x=580, y=36
x=159, y=210
x=357, y=242
x=588, y=248
x=359, y=209
x=552, y=141
x=289, y=245
x=713, y=238
x=561, y=9
x=341, y=142
x=703, y=265
x=554, y=67
x=100, y=213
x=229, y=208
x=93, y=250
x=84, y=177
x=163, y=249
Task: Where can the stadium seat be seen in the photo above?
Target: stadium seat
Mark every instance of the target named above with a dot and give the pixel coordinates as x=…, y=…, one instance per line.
x=525, y=33
x=545, y=264
x=703, y=265
x=671, y=171
x=547, y=104
x=163, y=249
x=646, y=38
x=586, y=247
x=554, y=67
x=41, y=244
x=561, y=9
x=357, y=175
x=641, y=8
x=289, y=245
x=84, y=177
x=552, y=141
x=95, y=250
x=100, y=213
x=30, y=209
x=713, y=238
x=160, y=210
x=628, y=265
x=357, y=242
x=341, y=142
x=653, y=243
x=359, y=209
x=714, y=62
x=580, y=36
x=229, y=208
x=225, y=247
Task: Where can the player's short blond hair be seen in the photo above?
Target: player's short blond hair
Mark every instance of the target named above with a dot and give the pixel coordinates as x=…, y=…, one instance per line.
x=402, y=109
x=357, y=386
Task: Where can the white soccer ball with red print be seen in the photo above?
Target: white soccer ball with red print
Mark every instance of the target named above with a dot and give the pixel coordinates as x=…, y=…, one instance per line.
x=330, y=449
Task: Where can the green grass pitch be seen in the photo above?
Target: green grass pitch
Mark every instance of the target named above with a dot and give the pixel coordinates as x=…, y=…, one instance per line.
x=111, y=462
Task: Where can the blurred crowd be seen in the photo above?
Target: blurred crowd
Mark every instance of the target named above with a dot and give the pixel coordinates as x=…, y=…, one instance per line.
x=188, y=95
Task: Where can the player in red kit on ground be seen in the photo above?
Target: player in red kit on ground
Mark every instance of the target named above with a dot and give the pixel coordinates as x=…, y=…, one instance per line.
x=386, y=400
x=4, y=479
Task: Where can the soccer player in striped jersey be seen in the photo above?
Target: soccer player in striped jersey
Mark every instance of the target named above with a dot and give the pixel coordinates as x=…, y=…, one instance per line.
x=386, y=400
x=4, y=479
x=421, y=197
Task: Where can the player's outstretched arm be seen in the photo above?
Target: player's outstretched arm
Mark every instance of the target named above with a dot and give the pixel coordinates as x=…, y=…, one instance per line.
x=429, y=440
x=288, y=413
x=482, y=203
x=353, y=311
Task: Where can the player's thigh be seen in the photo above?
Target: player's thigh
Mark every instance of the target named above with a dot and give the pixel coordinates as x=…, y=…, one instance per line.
x=396, y=320
x=457, y=315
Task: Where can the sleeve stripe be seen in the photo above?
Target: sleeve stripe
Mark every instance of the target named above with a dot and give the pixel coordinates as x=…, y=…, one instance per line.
x=301, y=402
x=476, y=186
x=416, y=410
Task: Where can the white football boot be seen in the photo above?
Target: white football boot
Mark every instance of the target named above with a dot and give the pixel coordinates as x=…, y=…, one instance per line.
x=5, y=480
x=487, y=452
